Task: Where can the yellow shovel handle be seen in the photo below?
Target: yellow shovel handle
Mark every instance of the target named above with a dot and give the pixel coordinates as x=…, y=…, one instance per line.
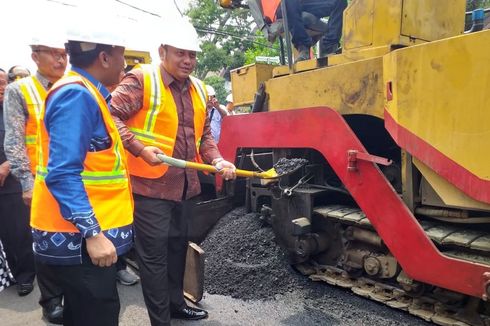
x=203, y=167
x=212, y=169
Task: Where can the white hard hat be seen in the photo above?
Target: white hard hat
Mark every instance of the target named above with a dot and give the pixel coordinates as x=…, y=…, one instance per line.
x=91, y=27
x=181, y=34
x=229, y=98
x=210, y=90
x=52, y=38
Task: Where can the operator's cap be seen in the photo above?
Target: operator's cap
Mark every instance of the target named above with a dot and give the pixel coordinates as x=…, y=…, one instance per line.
x=210, y=90
x=181, y=34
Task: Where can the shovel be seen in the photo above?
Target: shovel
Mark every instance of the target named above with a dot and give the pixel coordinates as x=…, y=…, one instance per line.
x=281, y=168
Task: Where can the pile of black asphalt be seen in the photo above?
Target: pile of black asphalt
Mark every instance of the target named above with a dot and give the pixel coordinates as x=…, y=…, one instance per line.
x=285, y=166
x=244, y=261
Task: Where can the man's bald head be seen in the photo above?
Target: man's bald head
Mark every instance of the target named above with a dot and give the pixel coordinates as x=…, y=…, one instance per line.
x=17, y=72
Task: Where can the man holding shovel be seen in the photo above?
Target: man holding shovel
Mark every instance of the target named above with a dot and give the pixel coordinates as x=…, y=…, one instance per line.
x=163, y=110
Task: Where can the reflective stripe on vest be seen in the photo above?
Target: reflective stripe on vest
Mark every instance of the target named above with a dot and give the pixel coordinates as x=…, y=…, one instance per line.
x=34, y=94
x=156, y=124
x=93, y=177
x=105, y=177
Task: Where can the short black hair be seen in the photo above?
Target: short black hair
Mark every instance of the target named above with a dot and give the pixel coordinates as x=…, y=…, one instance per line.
x=83, y=59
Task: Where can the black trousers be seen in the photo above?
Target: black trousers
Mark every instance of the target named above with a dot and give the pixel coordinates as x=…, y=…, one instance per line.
x=51, y=292
x=90, y=293
x=15, y=233
x=334, y=9
x=16, y=236
x=161, y=229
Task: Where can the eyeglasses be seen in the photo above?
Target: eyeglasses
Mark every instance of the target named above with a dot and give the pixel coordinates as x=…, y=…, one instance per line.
x=56, y=55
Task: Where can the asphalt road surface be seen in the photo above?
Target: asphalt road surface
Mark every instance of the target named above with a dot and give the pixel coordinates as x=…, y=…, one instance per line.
x=287, y=309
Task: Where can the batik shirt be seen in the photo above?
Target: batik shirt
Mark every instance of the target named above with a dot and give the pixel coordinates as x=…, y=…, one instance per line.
x=16, y=116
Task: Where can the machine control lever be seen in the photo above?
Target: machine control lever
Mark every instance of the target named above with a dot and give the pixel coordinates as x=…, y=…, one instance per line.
x=354, y=155
x=289, y=191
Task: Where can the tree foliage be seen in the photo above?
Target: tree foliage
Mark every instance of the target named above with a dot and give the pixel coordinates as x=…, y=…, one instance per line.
x=257, y=49
x=475, y=4
x=223, y=34
x=226, y=36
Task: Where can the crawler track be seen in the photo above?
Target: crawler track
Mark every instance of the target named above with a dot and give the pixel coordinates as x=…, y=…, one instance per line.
x=452, y=240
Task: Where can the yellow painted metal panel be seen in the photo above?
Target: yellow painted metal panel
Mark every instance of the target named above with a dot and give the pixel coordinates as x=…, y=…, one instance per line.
x=433, y=19
x=353, y=88
x=358, y=54
x=374, y=23
x=449, y=194
x=358, y=28
x=332, y=60
x=371, y=23
x=246, y=80
x=441, y=94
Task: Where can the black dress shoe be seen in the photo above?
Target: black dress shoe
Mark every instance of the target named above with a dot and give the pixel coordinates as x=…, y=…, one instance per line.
x=189, y=313
x=24, y=289
x=54, y=314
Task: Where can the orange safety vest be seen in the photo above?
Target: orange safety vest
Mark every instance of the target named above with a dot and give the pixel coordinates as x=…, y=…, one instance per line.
x=157, y=122
x=270, y=9
x=104, y=176
x=34, y=95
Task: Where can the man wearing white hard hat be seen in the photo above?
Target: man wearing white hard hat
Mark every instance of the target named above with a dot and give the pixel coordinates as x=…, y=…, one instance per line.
x=230, y=106
x=216, y=112
x=23, y=101
x=82, y=208
x=162, y=109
